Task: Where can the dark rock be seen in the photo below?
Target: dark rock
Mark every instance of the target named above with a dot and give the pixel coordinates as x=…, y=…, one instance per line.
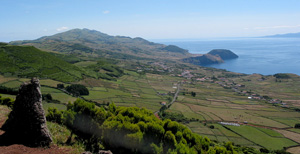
x=86, y=152
x=26, y=124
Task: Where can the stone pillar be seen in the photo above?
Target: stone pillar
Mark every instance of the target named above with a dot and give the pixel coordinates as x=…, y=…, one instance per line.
x=26, y=123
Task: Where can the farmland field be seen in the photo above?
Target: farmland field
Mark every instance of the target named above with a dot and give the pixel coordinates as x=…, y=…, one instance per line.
x=262, y=124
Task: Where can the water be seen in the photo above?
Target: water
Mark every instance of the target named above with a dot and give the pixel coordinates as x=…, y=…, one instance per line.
x=265, y=56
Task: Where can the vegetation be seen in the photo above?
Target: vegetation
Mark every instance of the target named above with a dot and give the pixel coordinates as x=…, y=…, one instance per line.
x=281, y=76
x=6, y=90
x=77, y=90
x=87, y=42
x=27, y=61
x=7, y=101
x=132, y=130
x=141, y=74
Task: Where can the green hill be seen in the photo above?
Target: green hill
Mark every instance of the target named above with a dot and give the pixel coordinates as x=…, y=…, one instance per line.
x=94, y=43
x=28, y=61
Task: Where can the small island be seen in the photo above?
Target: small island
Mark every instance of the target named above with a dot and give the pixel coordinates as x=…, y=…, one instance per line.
x=215, y=56
x=223, y=53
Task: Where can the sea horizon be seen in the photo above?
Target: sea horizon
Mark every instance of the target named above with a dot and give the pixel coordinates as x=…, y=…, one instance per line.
x=266, y=56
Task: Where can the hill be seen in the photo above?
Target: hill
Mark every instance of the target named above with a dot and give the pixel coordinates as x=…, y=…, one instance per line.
x=95, y=43
x=205, y=59
x=28, y=61
x=288, y=35
x=223, y=53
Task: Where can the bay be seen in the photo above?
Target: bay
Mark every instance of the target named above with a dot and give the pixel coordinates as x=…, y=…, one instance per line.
x=265, y=56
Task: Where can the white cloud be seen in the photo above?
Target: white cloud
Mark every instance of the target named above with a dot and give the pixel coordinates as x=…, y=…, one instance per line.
x=62, y=28
x=105, y=12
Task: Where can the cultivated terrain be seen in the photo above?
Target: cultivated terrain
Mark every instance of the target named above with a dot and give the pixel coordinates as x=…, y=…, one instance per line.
x=254, y=111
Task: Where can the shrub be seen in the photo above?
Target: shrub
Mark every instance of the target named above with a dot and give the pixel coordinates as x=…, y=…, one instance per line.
x=54, y=115
x=60, y=86
x=7, y=101
x=297, y=125
x=77, y=89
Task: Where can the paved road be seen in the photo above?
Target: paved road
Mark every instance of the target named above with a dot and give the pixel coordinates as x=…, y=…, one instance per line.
x=174, y=98
x=176, y=94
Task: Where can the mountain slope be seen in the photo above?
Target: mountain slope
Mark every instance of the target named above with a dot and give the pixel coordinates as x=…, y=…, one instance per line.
x=92, y=42
x=27, y=61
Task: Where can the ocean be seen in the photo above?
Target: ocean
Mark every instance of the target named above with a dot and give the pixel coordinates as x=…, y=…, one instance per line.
x=265, y=56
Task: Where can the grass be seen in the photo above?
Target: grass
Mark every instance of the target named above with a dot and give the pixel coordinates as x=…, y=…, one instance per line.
x=85, y=63
x=10, y=96
x=28, y=61
x=295, y=130
x=46, y=90
x=60, y=135
x=186, y=111
x=262, y=138
x=290, y=122
x=58, y=106
x=12, y=84
x=4, y=111
x=270, y=132
x=6, y=79
x=63, y=97
x=49, y=82
x=212, y=102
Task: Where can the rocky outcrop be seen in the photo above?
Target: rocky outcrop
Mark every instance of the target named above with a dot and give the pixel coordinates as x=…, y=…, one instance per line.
x=215, y=56
x=26, y=123
x=205, y=59
x=223, y=53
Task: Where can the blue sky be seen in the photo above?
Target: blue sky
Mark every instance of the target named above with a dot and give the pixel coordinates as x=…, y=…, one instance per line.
x=150, y=19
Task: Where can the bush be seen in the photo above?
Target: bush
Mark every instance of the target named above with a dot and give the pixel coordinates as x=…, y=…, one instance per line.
x=7, y=101
x=60, y=86
x=54, y=115
x=77, y=89
x=282, y=76
x=297, y=125
x=47, y=97
x=6, y=90
x=211, y=126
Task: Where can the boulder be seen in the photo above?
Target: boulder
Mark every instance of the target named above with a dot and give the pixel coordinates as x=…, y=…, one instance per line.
x=26, y=124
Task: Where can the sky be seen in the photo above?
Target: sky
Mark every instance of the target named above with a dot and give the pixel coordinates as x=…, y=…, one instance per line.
x=149, y=19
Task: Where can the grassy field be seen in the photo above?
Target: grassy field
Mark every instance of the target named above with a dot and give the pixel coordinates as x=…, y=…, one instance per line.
x=212, y=104
x=261, y=138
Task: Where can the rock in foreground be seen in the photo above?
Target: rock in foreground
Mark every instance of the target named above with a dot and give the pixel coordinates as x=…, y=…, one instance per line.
x=26, y=123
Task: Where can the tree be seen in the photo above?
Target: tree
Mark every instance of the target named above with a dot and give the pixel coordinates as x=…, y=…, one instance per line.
x=193, y=94
x=54, y=115
x=47, y=97
x=77, y=89
x=297, y=125
x=60, y=86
